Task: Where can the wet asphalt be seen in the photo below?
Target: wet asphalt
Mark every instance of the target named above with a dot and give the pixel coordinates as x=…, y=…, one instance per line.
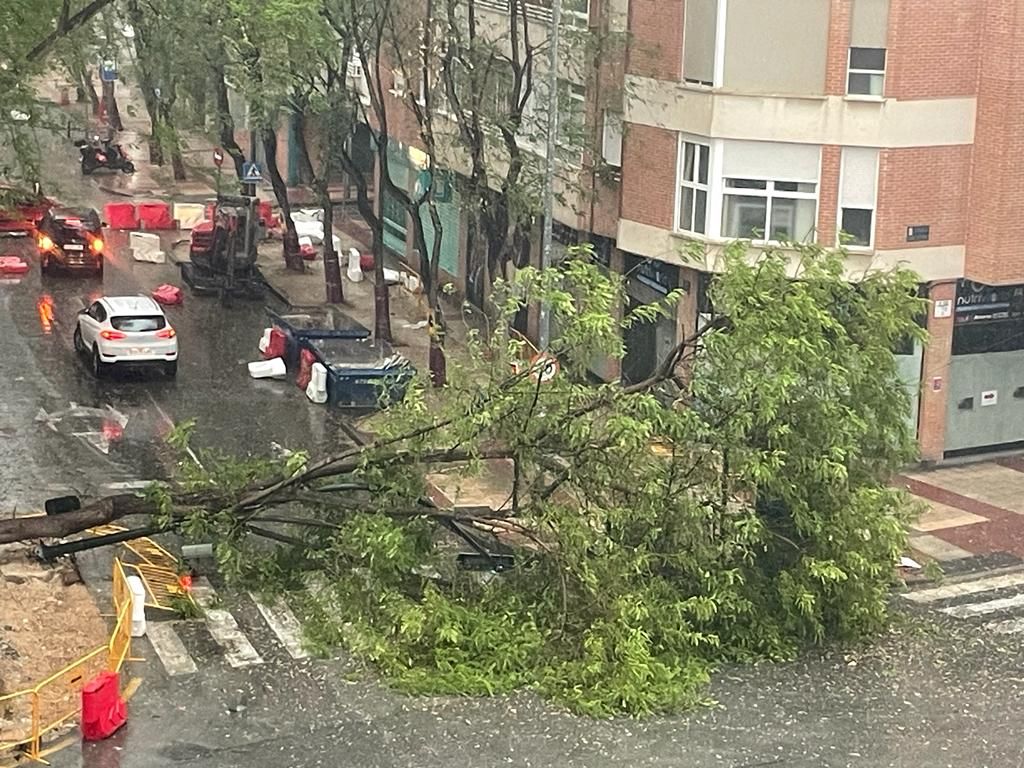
x=927, y=695
x=47, y=446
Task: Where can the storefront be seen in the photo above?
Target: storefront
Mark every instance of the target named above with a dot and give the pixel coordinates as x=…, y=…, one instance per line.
x=647, y=344
x=446, y=201
x=985, y=400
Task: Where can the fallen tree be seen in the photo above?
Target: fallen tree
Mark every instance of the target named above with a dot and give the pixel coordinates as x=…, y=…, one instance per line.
x=648, y=535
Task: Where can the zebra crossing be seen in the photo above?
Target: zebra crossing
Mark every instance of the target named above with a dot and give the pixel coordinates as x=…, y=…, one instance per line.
x=276, y=629
x=993, y=600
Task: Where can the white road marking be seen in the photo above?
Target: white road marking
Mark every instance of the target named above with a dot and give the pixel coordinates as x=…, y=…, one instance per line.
x=967, y=587
x=169, y=648
x=980, y=609
x=1008, y=627
x=282, y=621
x=223, y=628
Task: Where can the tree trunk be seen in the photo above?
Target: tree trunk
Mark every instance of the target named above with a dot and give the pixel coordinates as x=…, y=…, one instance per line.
x=292, y=257
x=436, y=361
x=381, y=291
x=332, y=267
x=306, y=174
x=110, y=102
x=225, y=122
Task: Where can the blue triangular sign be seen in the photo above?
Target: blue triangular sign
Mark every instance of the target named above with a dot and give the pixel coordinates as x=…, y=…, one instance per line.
x=251, y=173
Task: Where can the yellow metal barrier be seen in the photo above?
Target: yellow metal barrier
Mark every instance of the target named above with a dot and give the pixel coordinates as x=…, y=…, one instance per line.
x=45, y=707
x=158, y=569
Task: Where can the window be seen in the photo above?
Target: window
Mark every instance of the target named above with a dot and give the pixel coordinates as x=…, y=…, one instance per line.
x=700, y=30
x=758, y=209
x=572, y=109
x=857, y=196
x=694, y=160
x=138, y=324
x=866, y=72
x=575, y=12
x=356, y=78
x=611, y=139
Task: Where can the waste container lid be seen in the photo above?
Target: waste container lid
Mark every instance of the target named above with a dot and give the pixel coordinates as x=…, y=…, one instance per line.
x=355, y=354
x=319, y=322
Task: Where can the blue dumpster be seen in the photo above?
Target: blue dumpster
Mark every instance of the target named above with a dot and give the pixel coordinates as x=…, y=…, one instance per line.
x=300, y=324
x=360, y=373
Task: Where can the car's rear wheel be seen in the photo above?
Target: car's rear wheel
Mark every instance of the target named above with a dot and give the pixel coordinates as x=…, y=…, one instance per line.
x=171, y=369
x=99, y=368
x=79, y=344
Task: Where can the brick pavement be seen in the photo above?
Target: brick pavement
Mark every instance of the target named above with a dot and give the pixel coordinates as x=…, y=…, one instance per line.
x=972, y=510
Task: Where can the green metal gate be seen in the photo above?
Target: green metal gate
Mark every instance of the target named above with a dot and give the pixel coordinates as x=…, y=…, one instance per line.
x=395, y=220
x=450, y=233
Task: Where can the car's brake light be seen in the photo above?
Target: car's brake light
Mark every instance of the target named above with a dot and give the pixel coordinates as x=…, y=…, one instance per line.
x=112, y=335
x=45, y=243
x=96, y=245
x=166, y=333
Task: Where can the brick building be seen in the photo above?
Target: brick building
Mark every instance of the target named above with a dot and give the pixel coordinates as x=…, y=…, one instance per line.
x=895, y=121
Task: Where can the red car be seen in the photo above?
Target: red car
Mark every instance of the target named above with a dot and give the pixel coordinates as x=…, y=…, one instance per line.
x=21, y=209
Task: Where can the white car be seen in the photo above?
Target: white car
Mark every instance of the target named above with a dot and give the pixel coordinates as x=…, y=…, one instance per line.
x=126, y=330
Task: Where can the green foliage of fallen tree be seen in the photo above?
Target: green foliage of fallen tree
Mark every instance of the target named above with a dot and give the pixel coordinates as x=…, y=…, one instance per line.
x=734, y=507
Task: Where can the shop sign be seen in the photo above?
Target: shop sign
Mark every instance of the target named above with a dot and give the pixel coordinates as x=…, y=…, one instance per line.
x=979, y=303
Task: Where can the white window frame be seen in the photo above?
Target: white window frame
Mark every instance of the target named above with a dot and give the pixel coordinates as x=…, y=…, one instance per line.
x=611, y=138
x=707, y=188
x=576, y=92
x=869, y=72
x=770, y=194
x=718, y=73
x=870, y=247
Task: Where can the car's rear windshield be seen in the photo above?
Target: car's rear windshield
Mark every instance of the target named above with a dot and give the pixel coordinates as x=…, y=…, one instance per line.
x=138, y=324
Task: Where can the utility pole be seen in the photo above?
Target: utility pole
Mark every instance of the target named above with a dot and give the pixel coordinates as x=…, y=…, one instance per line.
x=544, y=331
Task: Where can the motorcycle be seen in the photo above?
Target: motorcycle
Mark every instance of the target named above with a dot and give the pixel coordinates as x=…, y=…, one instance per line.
x=105, y=154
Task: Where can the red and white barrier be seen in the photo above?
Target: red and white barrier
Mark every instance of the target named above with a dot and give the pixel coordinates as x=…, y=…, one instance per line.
x=155, y=216
x=121, y=216
x=167, y=294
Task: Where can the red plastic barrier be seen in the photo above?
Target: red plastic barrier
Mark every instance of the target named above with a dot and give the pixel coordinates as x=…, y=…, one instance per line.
x=103, y=709
x=277, y=346
x=167, y=294
x=366, y=262
x=308, y=252
x=156, y=216
x=305, y=374
x=13, y=265
x=121, y=216
x=267, y=214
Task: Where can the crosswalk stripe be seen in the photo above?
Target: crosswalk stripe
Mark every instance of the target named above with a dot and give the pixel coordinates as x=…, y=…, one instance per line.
x=169, y=649
x=966, y=587
x=282, y=622
x=238, y=651
x=980, y=609
x=1008, y=627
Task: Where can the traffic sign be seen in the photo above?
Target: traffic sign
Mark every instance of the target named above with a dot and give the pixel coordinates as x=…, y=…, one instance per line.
x=544, y=367
x=251, y=173
x=108, y=71
x=218, y=157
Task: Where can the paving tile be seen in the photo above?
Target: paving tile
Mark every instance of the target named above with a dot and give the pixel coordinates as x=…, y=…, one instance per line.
x=989, y=482
x=940, y=516
x=937, y=548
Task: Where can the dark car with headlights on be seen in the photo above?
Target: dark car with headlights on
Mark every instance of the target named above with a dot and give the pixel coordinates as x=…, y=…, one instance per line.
x=71, y=239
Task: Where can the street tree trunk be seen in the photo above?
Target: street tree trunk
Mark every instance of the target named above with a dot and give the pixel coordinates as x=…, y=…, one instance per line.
x=332, y=267
x=225, y=122
x=292, y=257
